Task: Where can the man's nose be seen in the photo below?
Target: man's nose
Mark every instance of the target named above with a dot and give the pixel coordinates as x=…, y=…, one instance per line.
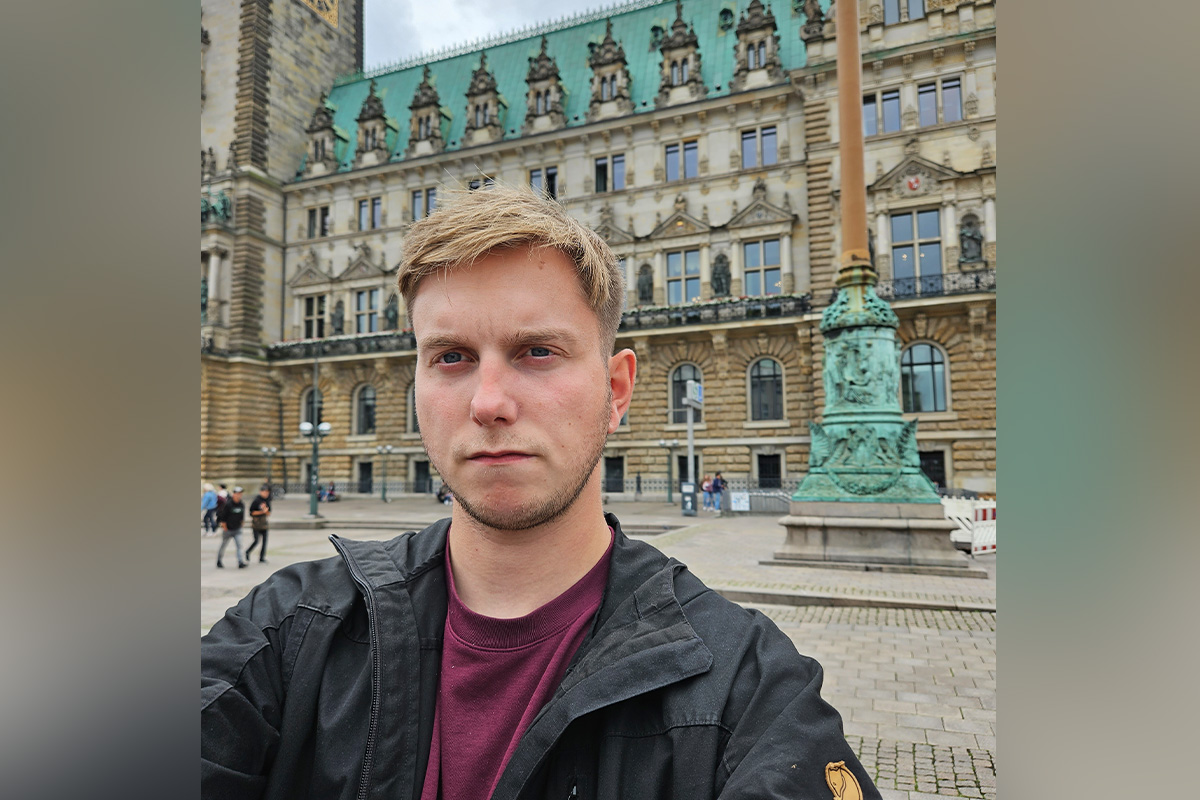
x=493, y=402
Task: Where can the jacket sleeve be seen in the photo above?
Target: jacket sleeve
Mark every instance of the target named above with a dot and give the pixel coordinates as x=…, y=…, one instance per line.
x=242, y=689
x=787, y=742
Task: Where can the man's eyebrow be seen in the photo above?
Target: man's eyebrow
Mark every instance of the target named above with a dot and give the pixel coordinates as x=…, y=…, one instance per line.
x=437, y=341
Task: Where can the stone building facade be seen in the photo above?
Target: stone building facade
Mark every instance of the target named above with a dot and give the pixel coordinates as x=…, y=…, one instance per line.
x=698, y=138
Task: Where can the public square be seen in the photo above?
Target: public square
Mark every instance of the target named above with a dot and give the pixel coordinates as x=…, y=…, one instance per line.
x=910, y=660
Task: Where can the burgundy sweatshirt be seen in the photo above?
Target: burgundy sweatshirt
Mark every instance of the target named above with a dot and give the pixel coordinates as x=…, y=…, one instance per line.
x=496, y=676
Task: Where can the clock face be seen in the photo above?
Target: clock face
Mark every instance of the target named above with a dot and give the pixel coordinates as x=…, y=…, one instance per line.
x=326, y=9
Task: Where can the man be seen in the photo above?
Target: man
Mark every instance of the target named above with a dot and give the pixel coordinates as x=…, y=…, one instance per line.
x=525, y=647
x=718, y=491
x=208, y=509
x=231, y=516
x=260, y=509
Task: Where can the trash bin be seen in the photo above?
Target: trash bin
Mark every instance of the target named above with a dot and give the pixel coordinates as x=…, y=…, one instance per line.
x=687, y=499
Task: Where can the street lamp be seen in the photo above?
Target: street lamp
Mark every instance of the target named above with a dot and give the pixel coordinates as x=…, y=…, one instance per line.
x=384, y=450
x=269, y=452
x=669, y=446
x=316, y=434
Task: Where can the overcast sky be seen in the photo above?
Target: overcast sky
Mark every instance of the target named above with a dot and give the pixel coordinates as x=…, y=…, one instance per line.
x=400, y=29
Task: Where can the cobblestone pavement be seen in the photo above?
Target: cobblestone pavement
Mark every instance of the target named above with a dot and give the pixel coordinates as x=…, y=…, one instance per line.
x=916, y=688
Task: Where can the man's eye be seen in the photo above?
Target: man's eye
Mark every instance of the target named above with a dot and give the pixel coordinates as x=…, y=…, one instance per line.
x=539, y=352
x=451, y=358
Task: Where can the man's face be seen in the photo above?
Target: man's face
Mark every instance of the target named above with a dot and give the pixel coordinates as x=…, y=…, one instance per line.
x=513, y=392
x=237, y=496
x=264, y=494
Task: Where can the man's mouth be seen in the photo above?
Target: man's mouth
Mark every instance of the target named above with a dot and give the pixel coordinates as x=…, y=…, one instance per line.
x=498, y=457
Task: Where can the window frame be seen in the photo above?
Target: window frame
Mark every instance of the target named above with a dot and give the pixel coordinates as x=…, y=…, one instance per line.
x=306, y=406
x=684, y=279
x=313, y=315
x=938, y=358
x=780, y=390
x=681, y=150
x=763, y=267
x=677, y=411
x=370, y=314
x=544, y=180
x=758, y=136
x=920, y=278
x=605, y=168
x=359, y=394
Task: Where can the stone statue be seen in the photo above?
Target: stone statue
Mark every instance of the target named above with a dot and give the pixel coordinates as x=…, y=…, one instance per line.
x=391, y=314
x=970, y=240
x=203, y=300
x=337, y=320
x=871, y=246
x=645, y=285
x=720, y=276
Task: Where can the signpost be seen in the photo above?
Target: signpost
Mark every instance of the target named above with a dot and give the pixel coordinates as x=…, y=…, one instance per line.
x=693, y=400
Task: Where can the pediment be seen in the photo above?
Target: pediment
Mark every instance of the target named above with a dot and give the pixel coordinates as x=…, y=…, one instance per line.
x=680, y=224
x=611, y=234
x=760, y=212
x=913, y=177
x=308, y=273
x=360, y=265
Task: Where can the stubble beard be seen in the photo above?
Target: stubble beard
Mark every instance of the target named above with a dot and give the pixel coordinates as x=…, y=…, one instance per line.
x=538, y=511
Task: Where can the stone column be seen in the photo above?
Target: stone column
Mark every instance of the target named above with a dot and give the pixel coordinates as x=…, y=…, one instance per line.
x=883, y=247
x=735, y=268
x=949, y=236
x=786, y=276
x=705, y=272
x=660, y=278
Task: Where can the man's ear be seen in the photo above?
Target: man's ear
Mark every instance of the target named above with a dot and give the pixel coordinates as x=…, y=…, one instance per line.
x=622, y=371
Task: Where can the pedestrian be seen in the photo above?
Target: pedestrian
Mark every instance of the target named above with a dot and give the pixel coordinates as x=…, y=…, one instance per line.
x=706, y=494
x=208, y=510
x=231, y=516
x=222, y=498
x=260, y=509
x=525, y=647
x=718, y=491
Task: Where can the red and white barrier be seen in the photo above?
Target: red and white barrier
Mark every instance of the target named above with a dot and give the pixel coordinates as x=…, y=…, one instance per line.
x=983, y=529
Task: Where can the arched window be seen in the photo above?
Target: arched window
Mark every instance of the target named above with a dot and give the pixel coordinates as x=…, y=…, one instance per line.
x=762, y=54
x=413, y=426
x=766, y=390
x=605, y=89
x=478, y=117
x=674, y=73
x=679, y=378
x=612, y=86
x=539, y=103
x=487, y=112
x=683, y=71
x=752, y=57
x=364, y=410
x=923, y=378
x=306, y=406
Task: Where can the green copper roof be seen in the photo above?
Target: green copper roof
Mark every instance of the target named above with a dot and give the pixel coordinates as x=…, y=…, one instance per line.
x=567, y=43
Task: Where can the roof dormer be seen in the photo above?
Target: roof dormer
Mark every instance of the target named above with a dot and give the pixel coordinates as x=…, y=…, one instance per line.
x=544, y=99
x=611, y=82
x=425, y=122
x=756, y=53
x=321, y=140
x=484, y=107
x=680, y=80
x=372, y=146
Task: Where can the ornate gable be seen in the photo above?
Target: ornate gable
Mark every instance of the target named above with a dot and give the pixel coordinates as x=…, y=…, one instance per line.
x=544, y=98
x=762, y=212
x=756, y=53
x=483, y=106
x=680, y=80
x=309, y=272
x=372, y=131
x=611, y=80
x=913, y=177
x=360, y=265
x=609, y=232
x=425, y=122
x=680, y=223
x=322, y=139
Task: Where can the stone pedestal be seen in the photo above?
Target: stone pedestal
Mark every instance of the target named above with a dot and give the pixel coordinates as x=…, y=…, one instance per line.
x=901, y=534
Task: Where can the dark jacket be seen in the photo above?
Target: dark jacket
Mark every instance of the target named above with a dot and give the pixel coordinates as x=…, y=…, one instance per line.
x=232, y=513
x=321, y=683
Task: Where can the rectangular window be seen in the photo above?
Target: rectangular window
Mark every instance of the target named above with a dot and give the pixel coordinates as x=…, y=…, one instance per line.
x=759, y=147
x=917, y=252
x=324, y=217
x=672, y=162
x=601, y=175
x=480, y=182
x=891, y=111
x=683, y=277
x=366, y=311
x=545, y=180
x=870, y=121
x=610, y=173
x=916, y=9
x=430, y=200
x=927, y=104
x=618, y=172
x=376, y=212
x=762, y=272
x=951, y=100
x=364, y=210
x=312, y=223
x=891, y=12
x=314, y=317
x=691, y=159
x=418, y=204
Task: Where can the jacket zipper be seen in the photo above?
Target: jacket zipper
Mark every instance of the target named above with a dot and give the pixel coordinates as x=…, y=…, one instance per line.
x=369, y=753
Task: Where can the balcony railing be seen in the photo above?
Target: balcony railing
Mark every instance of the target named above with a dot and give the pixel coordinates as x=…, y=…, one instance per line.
x=352, y=345
x=720, y=311
x=940, y=285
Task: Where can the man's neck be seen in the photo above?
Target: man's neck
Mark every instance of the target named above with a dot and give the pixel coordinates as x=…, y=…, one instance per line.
x=508, y=574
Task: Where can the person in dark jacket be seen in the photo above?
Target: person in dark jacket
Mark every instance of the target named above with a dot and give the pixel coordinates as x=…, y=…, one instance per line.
x=260, y=511
x=523, y=648
x=231, y=516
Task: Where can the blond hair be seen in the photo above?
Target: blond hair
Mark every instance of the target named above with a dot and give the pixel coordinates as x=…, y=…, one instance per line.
x=473, y=224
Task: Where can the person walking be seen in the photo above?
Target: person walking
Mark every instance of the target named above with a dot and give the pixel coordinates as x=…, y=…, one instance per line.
x=260, y=509
x=231, y=516
x=718, y=491
x=208, y=507
x=706, y=490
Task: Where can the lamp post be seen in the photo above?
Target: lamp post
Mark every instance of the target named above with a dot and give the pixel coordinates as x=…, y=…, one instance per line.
x=316, y=434
x=384, y=450
x=269, y=452
x=669, y=446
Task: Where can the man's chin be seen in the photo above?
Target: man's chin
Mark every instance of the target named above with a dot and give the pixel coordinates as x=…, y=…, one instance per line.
x=507, y=515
